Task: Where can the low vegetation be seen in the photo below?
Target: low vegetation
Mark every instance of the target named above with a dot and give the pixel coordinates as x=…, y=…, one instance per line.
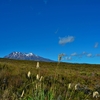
x=31, y=80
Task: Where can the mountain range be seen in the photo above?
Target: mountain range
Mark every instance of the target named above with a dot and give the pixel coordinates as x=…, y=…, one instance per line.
x=26, y=56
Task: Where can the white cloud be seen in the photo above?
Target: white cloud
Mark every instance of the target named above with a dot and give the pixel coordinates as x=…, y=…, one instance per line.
x=74, y=54
x=68, y=58
x=89, y=55
x=65, y=40
x=45, y=1
x=96, y=45
x=84, y=53
x=97, y=55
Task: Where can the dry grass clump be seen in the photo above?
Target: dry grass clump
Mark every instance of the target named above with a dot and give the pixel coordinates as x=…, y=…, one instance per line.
x=28, y=80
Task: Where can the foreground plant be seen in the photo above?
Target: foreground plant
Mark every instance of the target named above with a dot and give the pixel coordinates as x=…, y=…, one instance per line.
x=35, y=85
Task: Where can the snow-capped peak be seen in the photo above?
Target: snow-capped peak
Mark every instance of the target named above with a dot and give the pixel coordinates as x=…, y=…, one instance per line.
x=26, y=56
x=15, y=53
x=29, y=54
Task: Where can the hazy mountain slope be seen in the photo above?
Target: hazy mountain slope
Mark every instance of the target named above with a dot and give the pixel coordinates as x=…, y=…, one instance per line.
x=26, y=56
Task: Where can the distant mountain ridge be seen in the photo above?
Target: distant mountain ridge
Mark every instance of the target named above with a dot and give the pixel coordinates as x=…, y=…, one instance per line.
x=26, y=56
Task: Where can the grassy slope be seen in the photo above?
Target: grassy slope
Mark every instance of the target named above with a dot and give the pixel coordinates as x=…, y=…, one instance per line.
x=15, y=71
x=79, y=71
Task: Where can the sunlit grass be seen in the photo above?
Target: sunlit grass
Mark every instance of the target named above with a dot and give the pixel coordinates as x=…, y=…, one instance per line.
x=28, y=80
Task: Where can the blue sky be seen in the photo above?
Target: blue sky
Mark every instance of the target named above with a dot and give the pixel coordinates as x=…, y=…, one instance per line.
x=50, y=27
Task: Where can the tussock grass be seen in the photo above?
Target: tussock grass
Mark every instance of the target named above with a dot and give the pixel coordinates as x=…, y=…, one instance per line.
x=16, y=85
